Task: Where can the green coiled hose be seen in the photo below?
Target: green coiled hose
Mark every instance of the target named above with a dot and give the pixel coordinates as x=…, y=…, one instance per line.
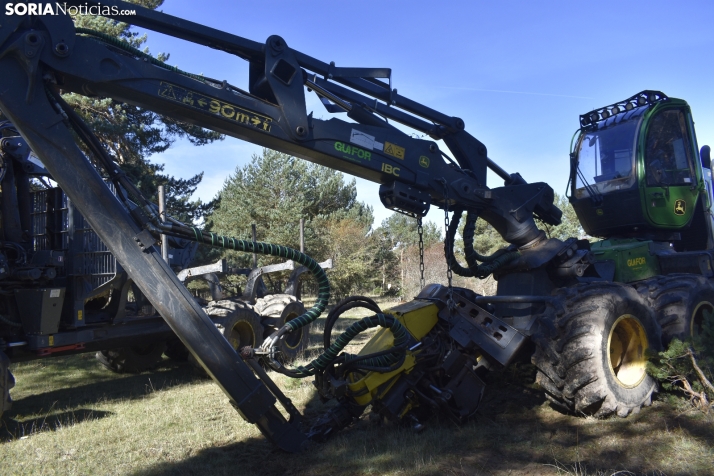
x=489, y=263
x=401, y=339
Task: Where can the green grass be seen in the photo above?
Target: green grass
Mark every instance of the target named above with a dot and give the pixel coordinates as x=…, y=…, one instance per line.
x=71, y=416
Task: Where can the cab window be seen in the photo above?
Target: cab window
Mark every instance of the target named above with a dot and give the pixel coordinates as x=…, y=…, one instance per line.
x=668, y=153
x=606, y=159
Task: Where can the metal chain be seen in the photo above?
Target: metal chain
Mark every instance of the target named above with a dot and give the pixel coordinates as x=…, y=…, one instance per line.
x=420, y=230
x=449, y=275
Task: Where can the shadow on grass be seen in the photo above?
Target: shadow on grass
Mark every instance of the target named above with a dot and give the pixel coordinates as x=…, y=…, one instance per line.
x=13, y=429
x=514, y=432
x=73, y=370
x=484, y=447
x=34, y=412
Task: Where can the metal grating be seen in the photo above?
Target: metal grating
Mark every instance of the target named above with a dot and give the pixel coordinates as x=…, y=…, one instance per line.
x=85, y=254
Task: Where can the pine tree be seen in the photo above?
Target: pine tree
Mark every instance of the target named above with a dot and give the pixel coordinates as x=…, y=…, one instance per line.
x=131, y=134
x=353, y=250
x=398, y=252
x=687, y=367
x=401, y=230
x=275, y=191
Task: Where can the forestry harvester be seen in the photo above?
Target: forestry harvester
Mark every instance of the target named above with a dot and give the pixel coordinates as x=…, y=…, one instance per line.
x=592, y=310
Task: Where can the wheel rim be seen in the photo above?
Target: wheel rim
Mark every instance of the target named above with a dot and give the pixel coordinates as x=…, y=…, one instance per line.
x=293, y=339
x=242, y=335
x=627, y=347
x=703, y=309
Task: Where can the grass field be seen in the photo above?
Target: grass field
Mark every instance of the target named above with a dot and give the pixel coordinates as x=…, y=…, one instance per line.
x=72, y=416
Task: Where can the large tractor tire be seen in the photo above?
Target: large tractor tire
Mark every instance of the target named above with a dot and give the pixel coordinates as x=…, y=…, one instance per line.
x=241, y=325
x=238, y=323
x=280, y=309
x=591, y=351
x=132, y=360
x=680, y=302
x=7, y=381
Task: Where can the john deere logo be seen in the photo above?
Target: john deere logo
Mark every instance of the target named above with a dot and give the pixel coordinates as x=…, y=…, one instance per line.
x=680, y=207
x=424, y=161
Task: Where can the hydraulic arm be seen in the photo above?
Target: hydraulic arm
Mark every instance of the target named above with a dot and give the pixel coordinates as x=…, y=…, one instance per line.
x=40, y=54
x=272, y=113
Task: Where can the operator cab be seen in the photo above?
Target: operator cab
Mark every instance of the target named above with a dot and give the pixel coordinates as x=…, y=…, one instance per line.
x=634, y=172
x=606, y=156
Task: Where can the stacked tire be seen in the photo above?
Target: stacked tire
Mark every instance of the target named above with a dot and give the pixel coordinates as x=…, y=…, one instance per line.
x=241, y=325
x=277, y=310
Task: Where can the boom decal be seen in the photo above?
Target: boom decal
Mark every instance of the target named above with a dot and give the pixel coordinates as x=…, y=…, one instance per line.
x=353, y=153
x=214, y=106
x=394, y=150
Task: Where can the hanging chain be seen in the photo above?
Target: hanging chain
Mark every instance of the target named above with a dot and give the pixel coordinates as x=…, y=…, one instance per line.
x=449, y=275
x=420, y=230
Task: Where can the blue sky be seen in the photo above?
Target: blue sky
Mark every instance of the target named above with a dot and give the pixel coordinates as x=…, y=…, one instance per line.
x=519, y=73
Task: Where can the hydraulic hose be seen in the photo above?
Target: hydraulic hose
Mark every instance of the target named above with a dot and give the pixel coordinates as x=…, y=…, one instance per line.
x=218, y=241
x=471, y=255
x=123, y=45
x=342, y=307
x=378, y=361
x=449, y=245
x=116, y=175
x=489, y=263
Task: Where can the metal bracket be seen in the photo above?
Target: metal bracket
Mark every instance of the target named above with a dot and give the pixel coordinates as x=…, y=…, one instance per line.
x=27, y=50
x=219, y=266
x=474, y=327
x=294, y=280
x=145, y=240
x=404, y=199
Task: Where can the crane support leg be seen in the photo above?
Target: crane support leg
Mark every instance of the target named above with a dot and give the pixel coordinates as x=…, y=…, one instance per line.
x=25, y=103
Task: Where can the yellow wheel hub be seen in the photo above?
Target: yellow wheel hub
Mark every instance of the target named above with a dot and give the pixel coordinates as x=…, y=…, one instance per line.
x=703, y=310
x=242, y=334
x=292, y=340
x=627, y=346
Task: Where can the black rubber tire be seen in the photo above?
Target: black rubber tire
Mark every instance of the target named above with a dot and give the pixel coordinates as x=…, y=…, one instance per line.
x=132, y=360
x=176, y=351
x=592, y=326
x=240, y=326
x=7, y=382
x=679, y=302
x=283, y=308
x=238, y=323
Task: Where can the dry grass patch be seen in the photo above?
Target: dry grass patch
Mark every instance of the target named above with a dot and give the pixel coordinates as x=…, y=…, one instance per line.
x=71, y=416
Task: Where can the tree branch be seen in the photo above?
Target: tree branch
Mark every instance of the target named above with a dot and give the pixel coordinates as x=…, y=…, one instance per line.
x=701, y=375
